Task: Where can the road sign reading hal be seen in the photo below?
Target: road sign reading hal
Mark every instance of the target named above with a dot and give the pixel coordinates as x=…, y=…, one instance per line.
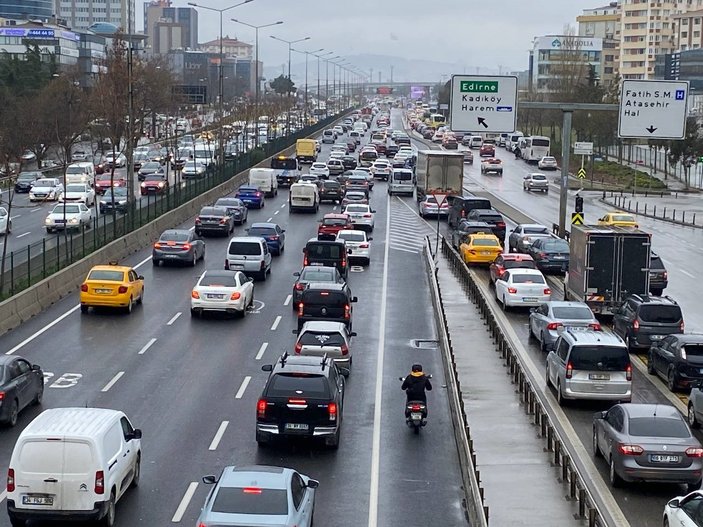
x=485, y=103
x=653, y=109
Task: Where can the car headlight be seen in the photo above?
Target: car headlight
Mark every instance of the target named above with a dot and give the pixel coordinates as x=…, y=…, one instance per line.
x=48, y=221
x=73, y=220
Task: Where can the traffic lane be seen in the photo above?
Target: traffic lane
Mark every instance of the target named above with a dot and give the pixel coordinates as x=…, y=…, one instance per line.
x=642, y=503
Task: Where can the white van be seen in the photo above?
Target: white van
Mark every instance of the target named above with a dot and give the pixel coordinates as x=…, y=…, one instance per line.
x=476, y=141
x=73, y=464
x=81, y=172
x=401, y=182
x=304, y=196
x=265, y=179
x=512, y=142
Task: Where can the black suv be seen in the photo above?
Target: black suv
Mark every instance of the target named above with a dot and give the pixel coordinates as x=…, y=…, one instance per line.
x=326, y=301
x=467, y=227
x=493, y=218
x=460, y=207
x=331, y=191
x=658, y=277
x=303, y=397
x=644, y=320
x=678, y=359
x=327, y=252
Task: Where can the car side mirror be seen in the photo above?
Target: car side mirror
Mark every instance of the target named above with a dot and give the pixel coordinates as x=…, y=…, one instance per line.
x=140, y=277
x=369, y=239
x=137, y=434
x=267, y=367
x=36, y=367
x=283, y=230
x=675, y=503
x=297, y=274
x=210, y=480
x=354, y=299
x=352, y=334
x=373, y=211
x=533, y=310
x=294, y=331
x=602, y=414
x=313, y=484
x=250, y=279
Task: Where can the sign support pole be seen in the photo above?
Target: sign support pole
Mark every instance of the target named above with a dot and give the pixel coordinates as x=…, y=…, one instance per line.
x=565, y=161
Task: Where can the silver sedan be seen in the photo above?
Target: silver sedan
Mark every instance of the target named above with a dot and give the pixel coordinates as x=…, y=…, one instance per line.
x=535, y=181
x=547, y=319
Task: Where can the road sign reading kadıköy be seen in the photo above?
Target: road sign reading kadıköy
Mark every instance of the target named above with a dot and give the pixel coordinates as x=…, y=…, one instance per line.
x=577, y=218
x=653, y=109
x=483, y=103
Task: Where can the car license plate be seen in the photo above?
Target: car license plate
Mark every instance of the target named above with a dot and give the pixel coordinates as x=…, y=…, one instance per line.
x=296, y=426
x=486, y=253
x=599, y=376
x=237, y=266
x=218, y=297
x=658, y=458
x=529, y=299
x=38, y=500
x=656, y=337
x=170, y=256
x=103, y=291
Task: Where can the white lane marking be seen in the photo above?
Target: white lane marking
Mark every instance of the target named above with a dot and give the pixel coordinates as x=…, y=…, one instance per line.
x=35, y=210
x=183, y=505
x=42, y=330
x=262, y=350
x=288, y=299
x=276, y=212
x=376, y=441
x=147, y=346
x=218, y=435
x=145, y=260
x=113, y=381
x=24, y=234
x=15, y=216
x=276, y=323
x=173, y=319
x=283, y=206
x=3, y=495
x=268, y=220
x=243, y=387
x=192, y=228
x=686, y=273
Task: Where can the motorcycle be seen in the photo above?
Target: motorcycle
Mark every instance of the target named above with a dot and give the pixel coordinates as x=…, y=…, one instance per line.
x=415, y=412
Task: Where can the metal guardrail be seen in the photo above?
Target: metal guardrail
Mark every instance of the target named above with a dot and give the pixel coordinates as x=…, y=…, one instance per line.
x=591, y=505
x=668, y=214
x=474, y=501
x=27, y=266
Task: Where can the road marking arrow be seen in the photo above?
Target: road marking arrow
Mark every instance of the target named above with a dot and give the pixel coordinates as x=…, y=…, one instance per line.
x=651, y=129
x=482, y=122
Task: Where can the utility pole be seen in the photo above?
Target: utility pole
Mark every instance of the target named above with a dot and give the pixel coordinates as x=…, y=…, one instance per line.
x=290, y=44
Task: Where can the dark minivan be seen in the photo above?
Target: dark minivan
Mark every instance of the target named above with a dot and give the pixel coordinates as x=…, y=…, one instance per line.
x=326, y=301
x=462, y=205
x=329, y=253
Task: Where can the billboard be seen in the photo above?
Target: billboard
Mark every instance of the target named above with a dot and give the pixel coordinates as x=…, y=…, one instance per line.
x=384, y=90
x=571, y=43
x=419, y=92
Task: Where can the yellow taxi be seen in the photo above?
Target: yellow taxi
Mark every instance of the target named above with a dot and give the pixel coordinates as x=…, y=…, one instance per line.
x=112, y=286
x=619, y=219
x=480, y=248
x=207, y=136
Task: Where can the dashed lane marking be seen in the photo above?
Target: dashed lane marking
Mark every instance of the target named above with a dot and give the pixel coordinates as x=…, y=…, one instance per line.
x=185, y=501
x=173, y=319
x=288, y=299
x=113, y=381
x=147, y=346
x=243, y=387
x=218, y=435
x=276, y=322
x=268, y=220
x=262, y=350
x=23, y=235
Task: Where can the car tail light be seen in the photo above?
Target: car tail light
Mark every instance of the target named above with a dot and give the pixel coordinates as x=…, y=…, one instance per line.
x=500, y=224
x=547, y=291
x=99, y=482
x=347, y=311
x=332, y=411
x=305, y=261
x=595, y=326
x=299, y=287
x=512, y=290
x=681, y=326
x=194, y=294
x=122, y=289
x=263, y=265
x=628, y=372
x=636, y=325
x=690, y=452
x=301, y=309
x=666, y=275
x=157, y=245
x=298, y=347
x=197, y=221
x=84, y=288
x=630, y=450
x=344, y=349
x=223, y=221
x=226, y=264
x=542, y=255
x=251, y=490
x=261, y=408
x=2, y=396
x=235, y=296
x=367, y=215
x=344, y=262
x=363, y=246
x=569, y=370
x=10, y=480
x=415, y=407
x=186, y=247
x=554, y=325
x=258, y=194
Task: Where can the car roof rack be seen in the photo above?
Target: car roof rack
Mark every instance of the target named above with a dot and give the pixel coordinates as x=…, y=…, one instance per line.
x=324, y=361
x=283, y=358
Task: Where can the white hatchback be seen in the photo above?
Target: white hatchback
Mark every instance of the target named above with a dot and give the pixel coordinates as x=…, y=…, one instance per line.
x=320, y=170
x=358, y=243
x=522, y=287
x=362, y=216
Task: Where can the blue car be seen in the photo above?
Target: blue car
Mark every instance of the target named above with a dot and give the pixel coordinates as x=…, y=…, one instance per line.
x=273, y=234
x=251, y=196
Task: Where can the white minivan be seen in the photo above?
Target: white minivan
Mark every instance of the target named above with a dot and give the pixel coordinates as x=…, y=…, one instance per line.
x=73, y=464
x=401, y=182
x=81, y=172
x=265, y=179
x=304, y=196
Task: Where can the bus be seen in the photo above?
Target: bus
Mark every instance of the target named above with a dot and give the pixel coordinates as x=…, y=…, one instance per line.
x=286, y=170
x=536, y=147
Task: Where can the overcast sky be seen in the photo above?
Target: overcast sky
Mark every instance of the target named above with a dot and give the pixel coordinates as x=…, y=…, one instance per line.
x=471, y=32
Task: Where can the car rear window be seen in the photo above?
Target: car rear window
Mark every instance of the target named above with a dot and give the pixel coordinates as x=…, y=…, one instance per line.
x=357, y=208
x=173, y=236
x=657, y=427
x=318, y=275
x=573, y=313
x=298, y=384
x=599, y=358
x=556, y=246
x=324, y=250
x=244, y=248
x=334, y=221
x=352, y=236
x=107, y=276
x=491, y=218
x=226, y=202
x=535, y=230
x=324, y=298
x=42, y=457
x=261, y=231
x=660, y=314
x=519, y=264
x=223, y=280
x=527, y=279
x=623, y=217
x=321, y=338
x=486, y=243
x=250, y=500
x=402, y=176
x=538, y=177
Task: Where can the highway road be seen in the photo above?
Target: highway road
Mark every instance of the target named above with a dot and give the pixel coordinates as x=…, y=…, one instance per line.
x=192, y=384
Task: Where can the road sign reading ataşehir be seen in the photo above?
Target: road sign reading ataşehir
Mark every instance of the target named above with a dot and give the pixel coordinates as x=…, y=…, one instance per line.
x=653, y=109
x=483, y=103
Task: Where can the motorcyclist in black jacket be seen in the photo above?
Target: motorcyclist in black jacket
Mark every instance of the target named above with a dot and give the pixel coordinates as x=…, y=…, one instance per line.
x=415, y=385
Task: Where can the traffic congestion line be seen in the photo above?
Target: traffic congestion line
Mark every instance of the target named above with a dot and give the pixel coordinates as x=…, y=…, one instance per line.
x=185, y=501
x=173, y=319
x=147, y=346
x=113, y=381
x=243, y=387
x=262, y=350
x=276, y=322
x=218, y=435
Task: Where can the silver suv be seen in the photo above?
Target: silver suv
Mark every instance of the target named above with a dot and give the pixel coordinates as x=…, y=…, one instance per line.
x=249, y=254
x=588, y=364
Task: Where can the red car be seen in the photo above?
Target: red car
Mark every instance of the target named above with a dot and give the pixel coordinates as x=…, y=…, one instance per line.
x=331, y=224
x=488, y=150
x=102, y=182
x=154, y=184
x=510, y=261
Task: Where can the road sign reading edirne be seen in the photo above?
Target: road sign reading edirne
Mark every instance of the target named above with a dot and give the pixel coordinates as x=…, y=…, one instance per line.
x=653, y=109
x=486, y=103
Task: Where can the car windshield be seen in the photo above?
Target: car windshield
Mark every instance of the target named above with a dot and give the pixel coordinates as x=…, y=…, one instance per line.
x=357, y=208
x=657, y=427
x=485, y=242
x=693, y=350
x=352, y=236
x=250, y=500
x=105, y=275
x=44, y=183
x=527, y=279
x=573, y=313
x=219, y=279
x=298, y=384
x=660, y=314
x=244, y=248
x=75, y=188
x=174, y=236
x=70, y=209
x=321, y=338
x=599, y=358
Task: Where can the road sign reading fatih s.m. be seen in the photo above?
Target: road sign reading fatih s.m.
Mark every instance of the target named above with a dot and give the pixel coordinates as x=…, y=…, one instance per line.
x=583, y=148
x=577, y=218
x=581, y=173
x=653, y=109
x=483, y=103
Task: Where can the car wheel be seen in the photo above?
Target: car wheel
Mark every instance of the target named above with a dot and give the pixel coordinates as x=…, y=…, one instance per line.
x=671, y=380
x=530, y=333
x=39, y=397
x=650, y=365
x=141, y=297
x=546, y=376
x=84, y=308
x=130, y=306
x=615, y=480
x=16, y=522
x=194, y=312
x=14, y=412
x=546, y=191
x=109, y=519
x=261, y=439
x=505, y=305
x=155, y=262
x=560, y=396
x=692, y=421
x=334, y=442
x=194, y=261
x=542, y=343
x=596, y=450
x=137, y=473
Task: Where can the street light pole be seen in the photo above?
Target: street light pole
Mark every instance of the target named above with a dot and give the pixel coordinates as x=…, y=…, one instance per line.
x=318, y=78
x=290, y=44
x=307, y=53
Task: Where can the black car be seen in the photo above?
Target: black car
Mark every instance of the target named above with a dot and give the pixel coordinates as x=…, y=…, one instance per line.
x=550, y=254
x=644, y=320
x=493, y=218
x=214, y=219
x=24, y=181
x=235, y=207
x=349, y=162
x=677, y=358
x=21, y=383
x=178, y=245
x=391, y=150
x=327, y=252
x=331, y=191
x=460, y=206
x=120, y=202
x=303, y=397
x=326, y=301
x=149, y=168
x=467, y=227
x=313, y=273
x=658, y=276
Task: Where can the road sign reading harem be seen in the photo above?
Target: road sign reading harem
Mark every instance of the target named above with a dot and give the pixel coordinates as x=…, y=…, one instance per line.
x=486, y=103
x=653, y=109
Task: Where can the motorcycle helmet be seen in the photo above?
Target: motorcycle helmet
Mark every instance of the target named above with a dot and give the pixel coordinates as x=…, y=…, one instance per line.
x=417, y=367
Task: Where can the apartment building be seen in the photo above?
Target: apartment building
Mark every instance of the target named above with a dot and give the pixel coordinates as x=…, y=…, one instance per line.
x=81, y=14
x=688, y=30
x=604, y=23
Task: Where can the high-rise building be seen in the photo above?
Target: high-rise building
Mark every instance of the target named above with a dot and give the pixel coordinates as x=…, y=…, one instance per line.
x=81, y=14
x=27, y=9
x=604, y=22
x=688, y=30
x=170, y=27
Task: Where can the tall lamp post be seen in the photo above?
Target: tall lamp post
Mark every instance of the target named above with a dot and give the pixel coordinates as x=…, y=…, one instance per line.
x=307, y=53
x=221, y=76
x=318, y=78
x=327, y=81
x=258, y=76
x=290, y=44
